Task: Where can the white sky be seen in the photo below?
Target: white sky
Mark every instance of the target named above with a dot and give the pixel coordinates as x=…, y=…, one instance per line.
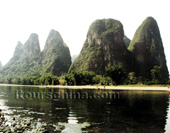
x=72, y=18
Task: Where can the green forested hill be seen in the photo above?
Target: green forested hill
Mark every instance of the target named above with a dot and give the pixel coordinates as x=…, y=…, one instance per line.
x=28, y=60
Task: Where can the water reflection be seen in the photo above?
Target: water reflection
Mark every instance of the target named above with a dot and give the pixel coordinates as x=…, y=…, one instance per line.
x=73, y=125
x=167, y=127
x=133, y=111
x=72, y=117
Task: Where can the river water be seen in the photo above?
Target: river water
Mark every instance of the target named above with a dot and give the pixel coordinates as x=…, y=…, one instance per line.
x=81, y=110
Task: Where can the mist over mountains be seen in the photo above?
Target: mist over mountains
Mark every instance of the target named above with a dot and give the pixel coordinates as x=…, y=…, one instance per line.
x=28, y=60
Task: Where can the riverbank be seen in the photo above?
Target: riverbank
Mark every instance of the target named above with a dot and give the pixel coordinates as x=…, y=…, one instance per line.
x=15, y=123
x=120, y=87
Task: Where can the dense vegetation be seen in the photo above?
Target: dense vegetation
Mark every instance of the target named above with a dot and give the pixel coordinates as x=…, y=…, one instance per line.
x=115, y=75
x=44, y=80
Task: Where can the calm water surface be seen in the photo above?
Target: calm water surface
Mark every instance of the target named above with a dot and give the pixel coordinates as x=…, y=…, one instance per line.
x=100, y=111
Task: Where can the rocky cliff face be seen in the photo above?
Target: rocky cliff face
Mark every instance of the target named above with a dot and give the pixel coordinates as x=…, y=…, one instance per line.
x=29, y=49
x=147, y=49
x=56, y=57
x=103, y=47
x=18, y=50
x=32, y=46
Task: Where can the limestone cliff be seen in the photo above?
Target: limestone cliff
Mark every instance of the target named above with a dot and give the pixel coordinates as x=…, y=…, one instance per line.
x=148, y=49
x=103, y=47
x=18, y=50
x=32, y=46
x=56, y=57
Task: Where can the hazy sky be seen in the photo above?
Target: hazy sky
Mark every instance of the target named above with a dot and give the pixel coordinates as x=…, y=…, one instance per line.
x=72, y=18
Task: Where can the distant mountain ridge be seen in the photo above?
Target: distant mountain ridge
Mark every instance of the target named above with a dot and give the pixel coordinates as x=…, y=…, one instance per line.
x=28, y=60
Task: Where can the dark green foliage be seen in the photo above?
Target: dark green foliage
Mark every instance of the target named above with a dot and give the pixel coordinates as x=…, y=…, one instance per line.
x=83, y=77
x=44, y=80
x=156, y=77
x=140, y=80
x=9, y=80
x=55, y=80
x=37, y=81
x=27, y=81
x=106, y=81
x=18, y=81
x=69, y=78
x=49, y=80
x=156, y=73
x=168, y=82
x=151, y=82
x=117, y=74
x=132, y=79
x=80, y=78
x=97, y=79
